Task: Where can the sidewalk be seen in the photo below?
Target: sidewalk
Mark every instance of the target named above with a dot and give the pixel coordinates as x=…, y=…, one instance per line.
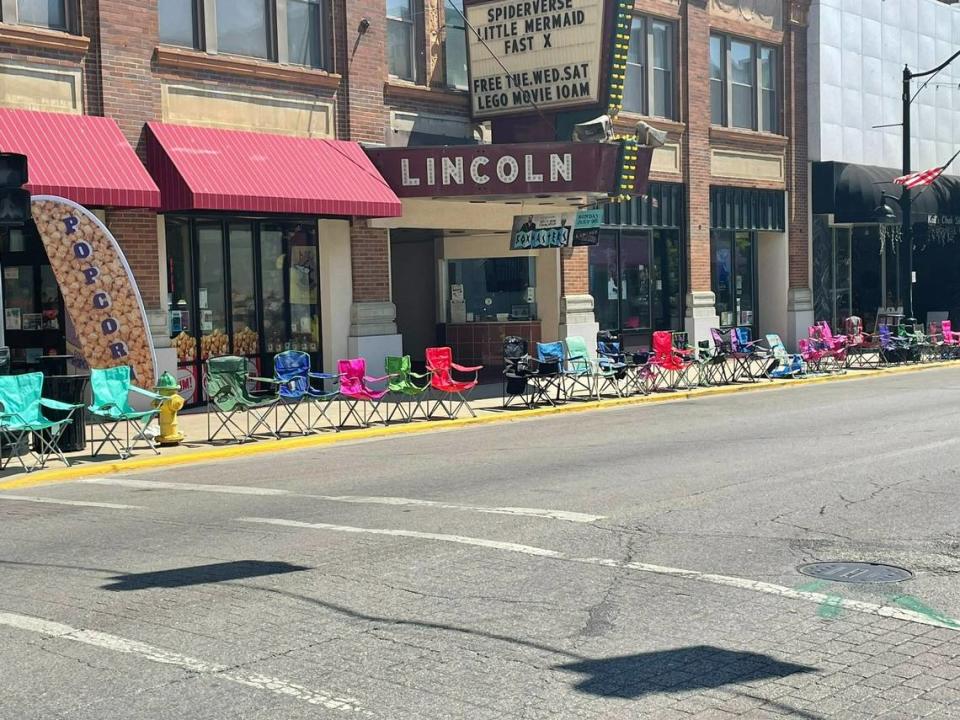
x=486, y=402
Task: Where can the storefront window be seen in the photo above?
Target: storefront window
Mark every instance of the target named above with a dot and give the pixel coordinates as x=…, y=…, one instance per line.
x=243, y=300
x=492, y=290
x=273, y=290
x=604, y=266
x=247, y=287
x=635, y=279
x=667, y=280
x=734, y=277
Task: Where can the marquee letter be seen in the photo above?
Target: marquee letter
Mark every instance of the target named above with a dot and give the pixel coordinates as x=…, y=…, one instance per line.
x=475, y=174
x=507, y=176
x=561, y=167
x=405, y=178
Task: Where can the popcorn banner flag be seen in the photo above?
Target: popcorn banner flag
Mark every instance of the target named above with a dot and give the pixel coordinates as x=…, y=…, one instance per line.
x=99, y=291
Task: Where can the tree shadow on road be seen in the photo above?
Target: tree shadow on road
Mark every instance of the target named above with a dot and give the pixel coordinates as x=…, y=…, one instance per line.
x=200, y=575
x=697, y=667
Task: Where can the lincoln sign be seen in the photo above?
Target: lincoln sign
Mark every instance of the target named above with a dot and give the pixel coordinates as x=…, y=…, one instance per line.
x=552, y=51
x=499, y=170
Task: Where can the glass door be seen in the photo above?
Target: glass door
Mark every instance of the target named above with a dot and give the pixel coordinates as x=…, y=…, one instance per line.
x=244, y=335
x=211, y=291
x=635, y=289
x=734, y=272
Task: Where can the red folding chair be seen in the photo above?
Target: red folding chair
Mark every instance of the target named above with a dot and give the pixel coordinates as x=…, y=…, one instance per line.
x=449, y=390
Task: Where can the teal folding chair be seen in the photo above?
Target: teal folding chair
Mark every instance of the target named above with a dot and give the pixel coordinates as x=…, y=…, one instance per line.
x=111, y=389
x=21, y=400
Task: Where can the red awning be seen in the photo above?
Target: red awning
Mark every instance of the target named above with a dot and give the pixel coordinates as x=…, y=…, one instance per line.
x=211, y=169
x=80, y=157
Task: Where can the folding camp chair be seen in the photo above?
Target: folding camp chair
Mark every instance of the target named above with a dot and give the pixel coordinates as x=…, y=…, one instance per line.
x=356, y=393
x=949, y=339
x=295, y=379
x=517, y=368
x=619, y=371
x=755, y=360
x=403, y=387
x=441, y=366
x=548, y=373
x=833, y=347
x=579, y=369
x=919, y=344
x=787, y=365
x=727, y=367
x=863, y=349
x=894, y=350
x=111, y=388
x=21, y=415
x=668, y=366
x=226, y=386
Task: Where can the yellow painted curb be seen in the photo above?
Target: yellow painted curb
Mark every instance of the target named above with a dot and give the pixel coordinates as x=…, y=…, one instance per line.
x=273, y=446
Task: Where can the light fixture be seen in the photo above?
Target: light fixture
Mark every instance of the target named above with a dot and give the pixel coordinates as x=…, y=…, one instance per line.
x=884, y=214
x=598, y=130
x=650, y=136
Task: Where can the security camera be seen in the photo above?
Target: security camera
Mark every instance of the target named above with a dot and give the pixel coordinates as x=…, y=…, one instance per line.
x=650, y=136
x=598, y=130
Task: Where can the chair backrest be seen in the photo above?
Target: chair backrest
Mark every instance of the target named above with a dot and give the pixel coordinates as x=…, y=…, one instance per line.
x=886, y=337
x=946, y=327
x=550, y=353
x=226, y=381
x=721, y=343
x=578, y=354
x=20, y=394
x=292, y=368
x=777, y=347
x=111, y=386
x=352, y=371
x=662, y=343
x=853, y=327
x=740, y=339
x=398, y=366
x=514, y=348
x=439, y=361
x=608, y=344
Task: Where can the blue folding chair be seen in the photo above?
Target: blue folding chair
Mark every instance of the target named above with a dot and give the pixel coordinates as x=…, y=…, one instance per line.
x=296, y=387
x=548, y=372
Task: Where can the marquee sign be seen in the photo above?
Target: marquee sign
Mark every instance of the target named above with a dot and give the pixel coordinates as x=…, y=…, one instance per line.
x=553, y=52
x=500, y=170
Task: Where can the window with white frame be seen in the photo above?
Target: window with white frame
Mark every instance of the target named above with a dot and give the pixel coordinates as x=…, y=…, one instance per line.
x=455, y=45
x=296, y=32
x=50, y=14
x=744, y=84
x=649, y=81
x=401, y=39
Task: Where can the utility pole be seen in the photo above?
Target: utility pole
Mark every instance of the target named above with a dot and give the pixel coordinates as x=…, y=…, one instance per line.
x=906, y=220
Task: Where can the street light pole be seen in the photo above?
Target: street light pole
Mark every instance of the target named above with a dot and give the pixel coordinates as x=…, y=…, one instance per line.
x=906, y=225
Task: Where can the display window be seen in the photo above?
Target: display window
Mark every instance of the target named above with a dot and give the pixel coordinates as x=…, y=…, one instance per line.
x=492, y=289
x=734, y=270
x=244, y=287
x=34, y=319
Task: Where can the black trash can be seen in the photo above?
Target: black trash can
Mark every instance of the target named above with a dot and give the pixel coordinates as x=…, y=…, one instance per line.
x=68, y=389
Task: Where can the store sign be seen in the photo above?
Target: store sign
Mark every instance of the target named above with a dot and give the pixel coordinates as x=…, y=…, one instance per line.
x=534, y=53
x=98, y=288
x=491, y=170
x=587, y=230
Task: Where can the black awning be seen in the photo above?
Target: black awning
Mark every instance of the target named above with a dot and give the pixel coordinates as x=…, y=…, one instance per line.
x=734, y=208
x=852, y=193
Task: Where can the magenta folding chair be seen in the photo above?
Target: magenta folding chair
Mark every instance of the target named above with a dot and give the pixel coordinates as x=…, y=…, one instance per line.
x=362, y=401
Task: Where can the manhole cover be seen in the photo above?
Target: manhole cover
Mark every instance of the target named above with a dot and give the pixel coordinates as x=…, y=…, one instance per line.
x=856, y=572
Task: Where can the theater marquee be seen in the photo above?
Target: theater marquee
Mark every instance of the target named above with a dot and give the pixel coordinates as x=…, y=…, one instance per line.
x=552, y=51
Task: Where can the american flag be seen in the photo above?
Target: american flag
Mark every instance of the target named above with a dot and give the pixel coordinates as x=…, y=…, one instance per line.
x=917, y=179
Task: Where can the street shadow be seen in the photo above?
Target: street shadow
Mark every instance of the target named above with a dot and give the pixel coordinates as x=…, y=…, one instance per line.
x=200, y=575
x=698, y=667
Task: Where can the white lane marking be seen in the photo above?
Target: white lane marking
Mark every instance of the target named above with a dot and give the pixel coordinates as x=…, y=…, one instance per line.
x=106, y=641
x=78, y=503
x=358, y=499
x=478, y=542
x=527, y=512
x=193, y=487
x=695, y=575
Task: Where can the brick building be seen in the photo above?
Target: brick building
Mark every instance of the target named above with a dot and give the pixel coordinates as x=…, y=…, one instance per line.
x=721, y=236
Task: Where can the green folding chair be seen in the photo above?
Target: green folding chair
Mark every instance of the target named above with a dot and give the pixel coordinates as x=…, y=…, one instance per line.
x=111, y=388
x=403, y=387
x=579, y=368
x=21, y=400
x=228, y=393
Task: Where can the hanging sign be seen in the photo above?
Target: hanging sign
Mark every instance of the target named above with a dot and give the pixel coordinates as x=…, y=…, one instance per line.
x=98, y=288
x=526, y=53
x=535, y=232
x=587, y=229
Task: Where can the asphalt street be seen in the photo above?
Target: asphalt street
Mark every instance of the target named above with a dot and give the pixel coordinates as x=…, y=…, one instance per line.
x=630, y=563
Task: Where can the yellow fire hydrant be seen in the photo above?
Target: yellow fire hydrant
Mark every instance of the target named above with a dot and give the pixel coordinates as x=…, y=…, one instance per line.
x=169, y=407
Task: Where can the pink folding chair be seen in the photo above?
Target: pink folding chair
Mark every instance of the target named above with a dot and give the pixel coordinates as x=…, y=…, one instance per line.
x=950, y=339
x=668, y=365
x=355, y=393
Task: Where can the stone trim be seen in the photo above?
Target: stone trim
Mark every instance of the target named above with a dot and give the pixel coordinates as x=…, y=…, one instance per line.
x=263, y=71
x=395, y=89
x=738, y=135
x=42, y=39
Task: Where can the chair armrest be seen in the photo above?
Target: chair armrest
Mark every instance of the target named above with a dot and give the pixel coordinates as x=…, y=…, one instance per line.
x=465, y=368
x=269, y=381
x=324, y=376
x=420, y=376
x=146, y=394
x=369, y=378
x=12, y=415
x=57, y=405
